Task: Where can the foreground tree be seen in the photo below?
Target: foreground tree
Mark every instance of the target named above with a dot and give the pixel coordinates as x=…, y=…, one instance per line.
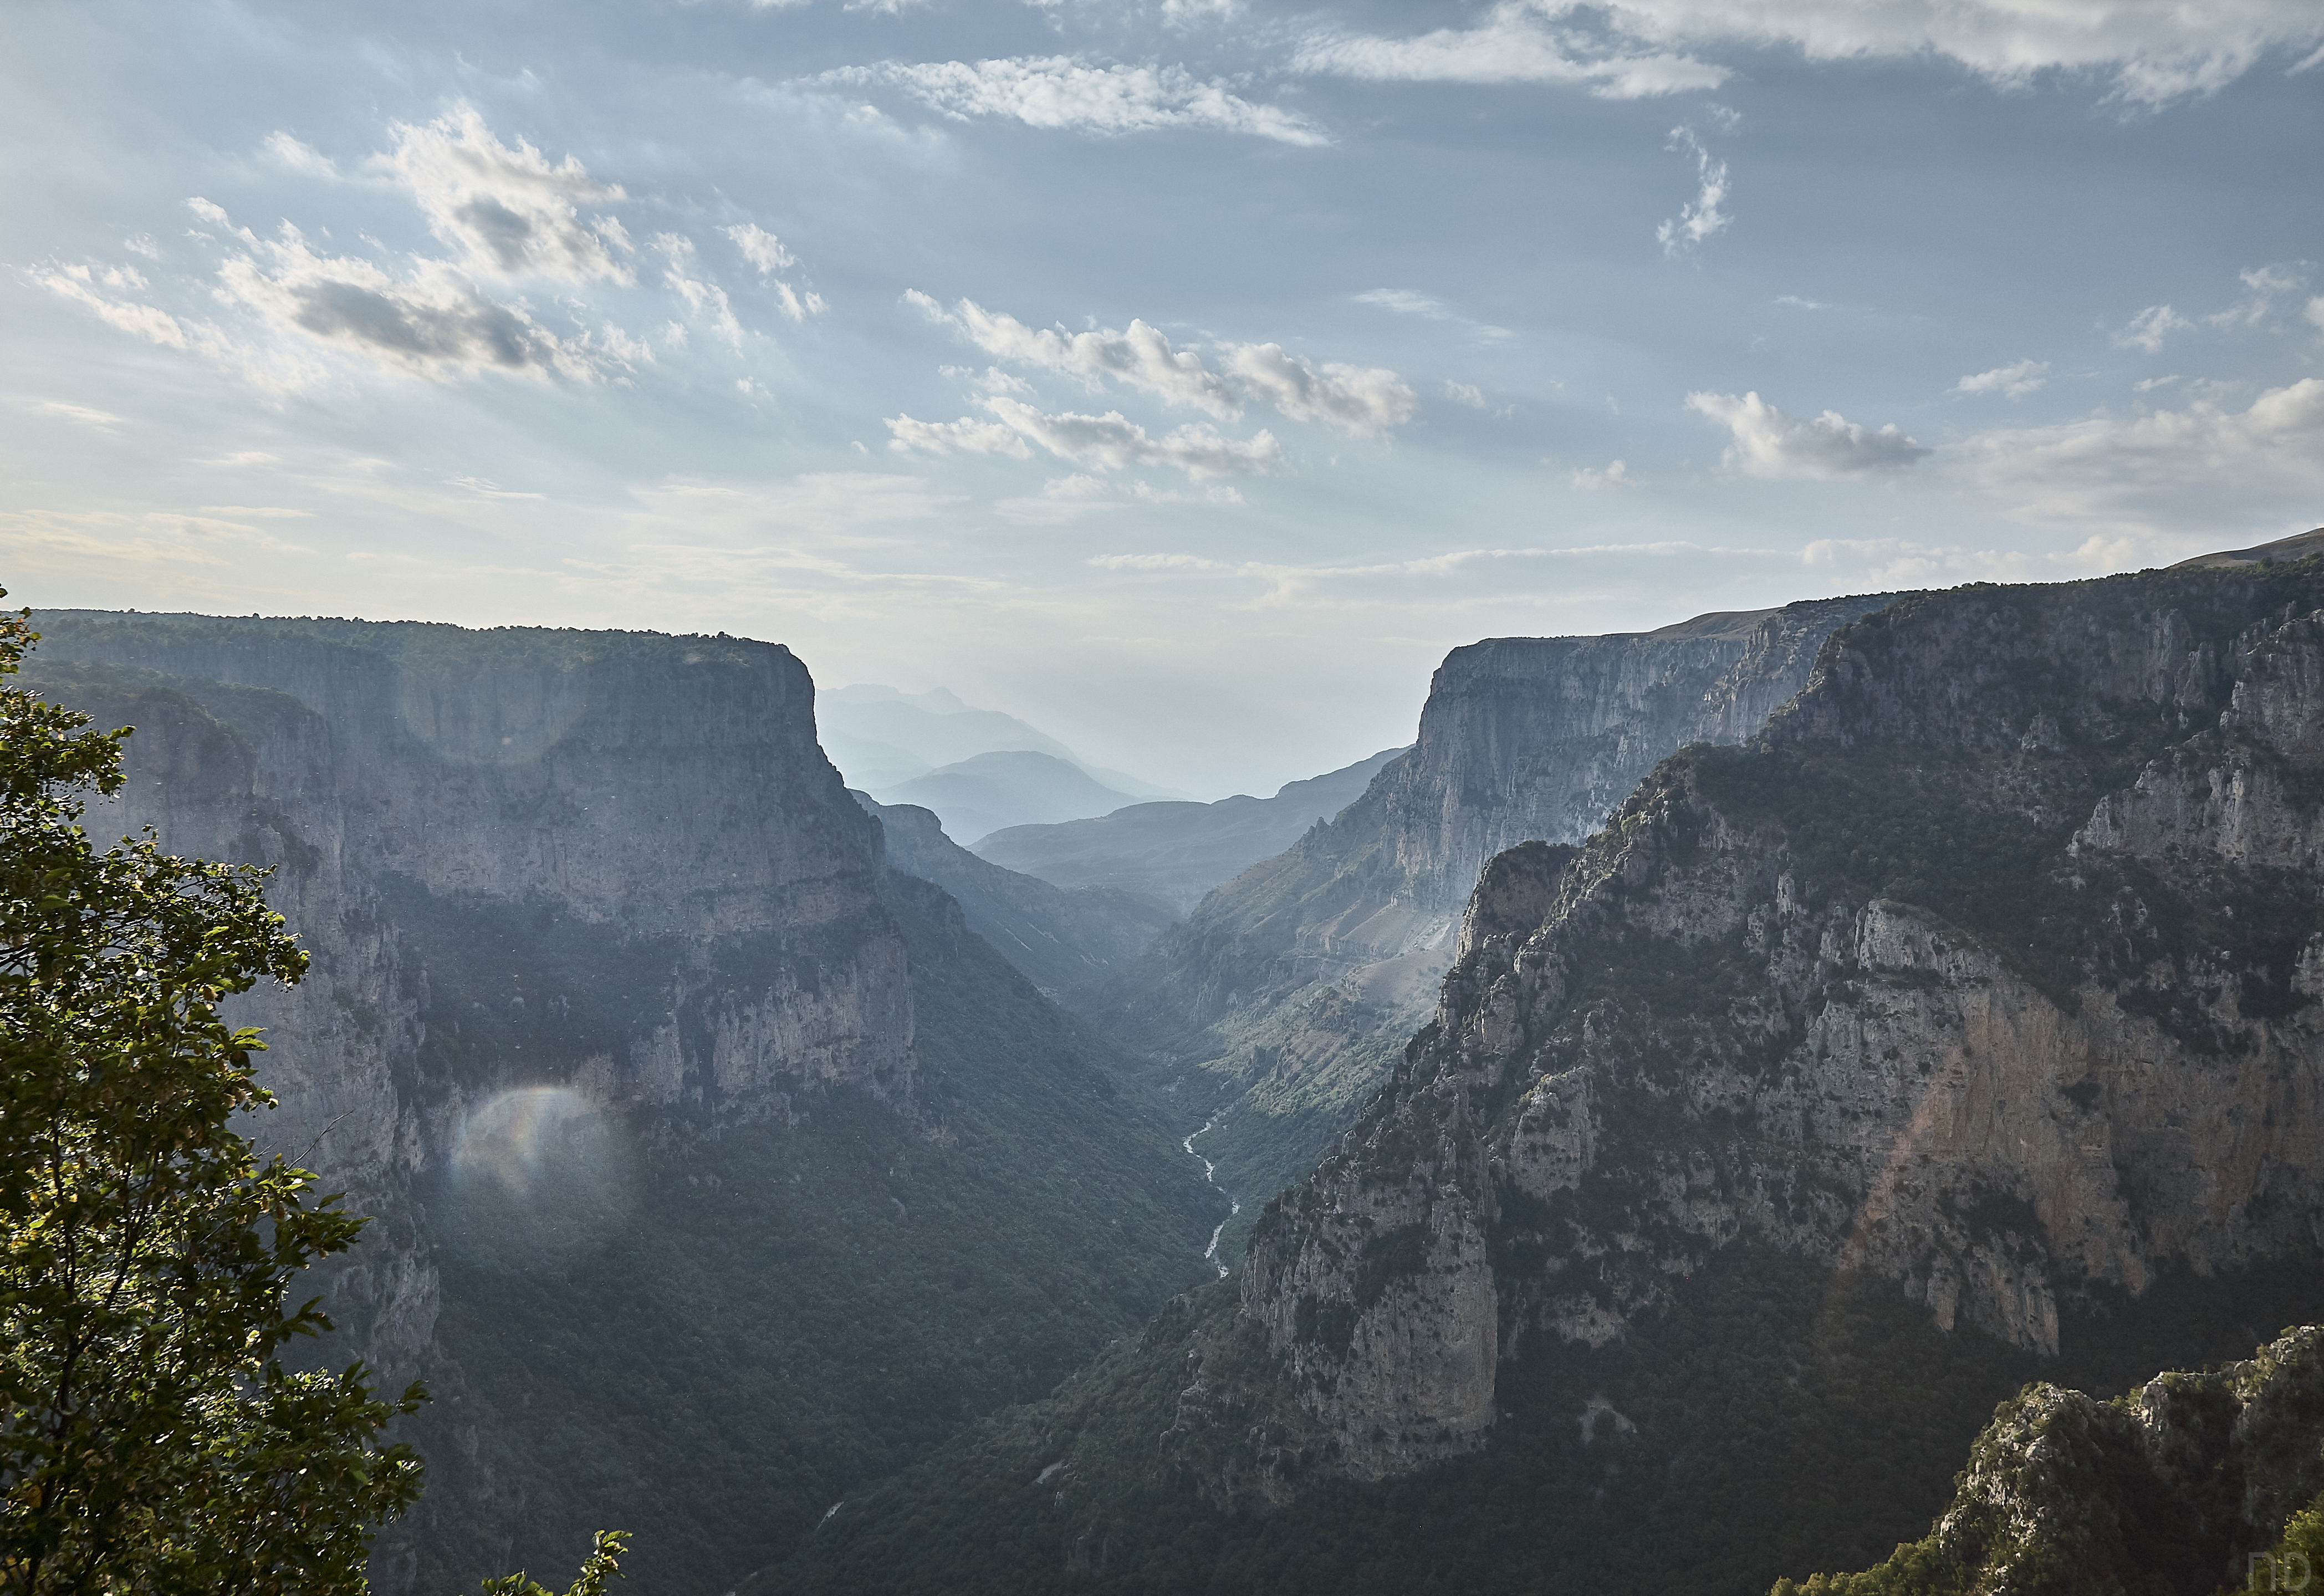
x=151, y=1439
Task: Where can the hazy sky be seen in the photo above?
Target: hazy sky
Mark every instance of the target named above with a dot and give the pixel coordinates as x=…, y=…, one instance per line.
x=1184, y=377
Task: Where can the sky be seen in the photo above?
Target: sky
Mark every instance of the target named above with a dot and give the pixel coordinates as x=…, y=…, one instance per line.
x=1183, y=376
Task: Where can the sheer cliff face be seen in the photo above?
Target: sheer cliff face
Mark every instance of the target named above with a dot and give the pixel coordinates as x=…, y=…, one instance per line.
x=1522, y=739
x=1293, y=987
x=1991, y=967
x=614, y=863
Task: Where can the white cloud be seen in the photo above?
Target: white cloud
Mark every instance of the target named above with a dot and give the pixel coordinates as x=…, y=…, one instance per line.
x=967, y=434
x=432, y=323
x=769, y=254
x=2190, y=468
x=2150, y=327
x=1110, y=442
x=1590, y=480
x=1139, y=355
x=2014, y=381
x=1060, y=92
x=1360, y=400
x=2316, y=312
x=2263, y=286
x=509, y=212
x=298, y=156
x=1466, y=393
x=761, y=248
x=103, y=420
x=143, y=244
x=2149, y=384
x=703, y=297
x=1700, y=216
x=2155, y=51
x=1515, y=44
x=210, y=211
x=146, y=321
x=1363, y=400
x=1770, y=444
x=485, y=488
x=1405, y=302
x=1189, y=14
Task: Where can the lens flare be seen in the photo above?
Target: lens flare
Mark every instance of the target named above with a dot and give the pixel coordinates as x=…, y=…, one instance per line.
x=519, y=1136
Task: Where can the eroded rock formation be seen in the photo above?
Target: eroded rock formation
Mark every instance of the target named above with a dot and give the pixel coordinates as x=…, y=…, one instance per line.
x=1992, y=966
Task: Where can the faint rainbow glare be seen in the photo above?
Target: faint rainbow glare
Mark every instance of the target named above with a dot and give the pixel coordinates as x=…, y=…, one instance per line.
x=512, y=1136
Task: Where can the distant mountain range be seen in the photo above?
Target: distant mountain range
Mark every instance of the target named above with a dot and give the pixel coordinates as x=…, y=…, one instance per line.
x=880, y=738
x=1178, y=852
x=995, y=791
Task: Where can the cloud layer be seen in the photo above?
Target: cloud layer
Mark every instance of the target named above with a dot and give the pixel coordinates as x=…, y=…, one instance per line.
x=1361, y=400
x=1629, y=49
x=1108, y=442
x=508, y=211
x=1771, y=445
x=2202, y=463
x=1066, y=93
x=2154, y=52
x=1516, y=44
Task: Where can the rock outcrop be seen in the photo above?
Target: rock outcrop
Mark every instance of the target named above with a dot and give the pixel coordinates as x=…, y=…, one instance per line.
x=715, y=1165
x=1992, y=966
x=662, y=801
x=1286, y=996
x=2181, y=1485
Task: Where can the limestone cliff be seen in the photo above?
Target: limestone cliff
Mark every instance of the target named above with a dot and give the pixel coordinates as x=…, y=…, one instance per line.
x=1284, y=1000
x=1991, y=967
x=715, y=1166
x=661, y=798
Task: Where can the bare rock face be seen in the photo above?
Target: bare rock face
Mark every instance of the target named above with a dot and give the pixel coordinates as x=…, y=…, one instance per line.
x=1521, y=739
x=474, y=832
x=1291, y=989
x=1992, y=966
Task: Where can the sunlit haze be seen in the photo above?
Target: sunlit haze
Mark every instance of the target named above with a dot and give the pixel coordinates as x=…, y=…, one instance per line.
x=1183, y=378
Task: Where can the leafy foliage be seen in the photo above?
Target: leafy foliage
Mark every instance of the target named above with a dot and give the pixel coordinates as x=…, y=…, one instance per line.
x=152, y=1438
x=604, y=1563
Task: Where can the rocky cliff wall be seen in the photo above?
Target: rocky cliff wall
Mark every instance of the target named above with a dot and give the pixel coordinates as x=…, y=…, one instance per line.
x=1284, y=998
x=1521, y=739
x=480, y=836
x=1993, y=967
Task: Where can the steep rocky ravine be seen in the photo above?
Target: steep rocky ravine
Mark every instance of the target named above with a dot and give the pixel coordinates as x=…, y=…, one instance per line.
x=658, y=1082
x=1991, y=967
x=1962, y=1026
x=1287, y=995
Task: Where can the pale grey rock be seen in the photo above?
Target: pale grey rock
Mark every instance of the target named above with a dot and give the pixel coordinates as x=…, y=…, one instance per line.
x=1841, y=1075
x=665, y=794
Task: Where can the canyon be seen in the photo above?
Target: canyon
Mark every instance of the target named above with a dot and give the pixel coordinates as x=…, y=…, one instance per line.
x=1956, y=1024
x=655, y=1078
